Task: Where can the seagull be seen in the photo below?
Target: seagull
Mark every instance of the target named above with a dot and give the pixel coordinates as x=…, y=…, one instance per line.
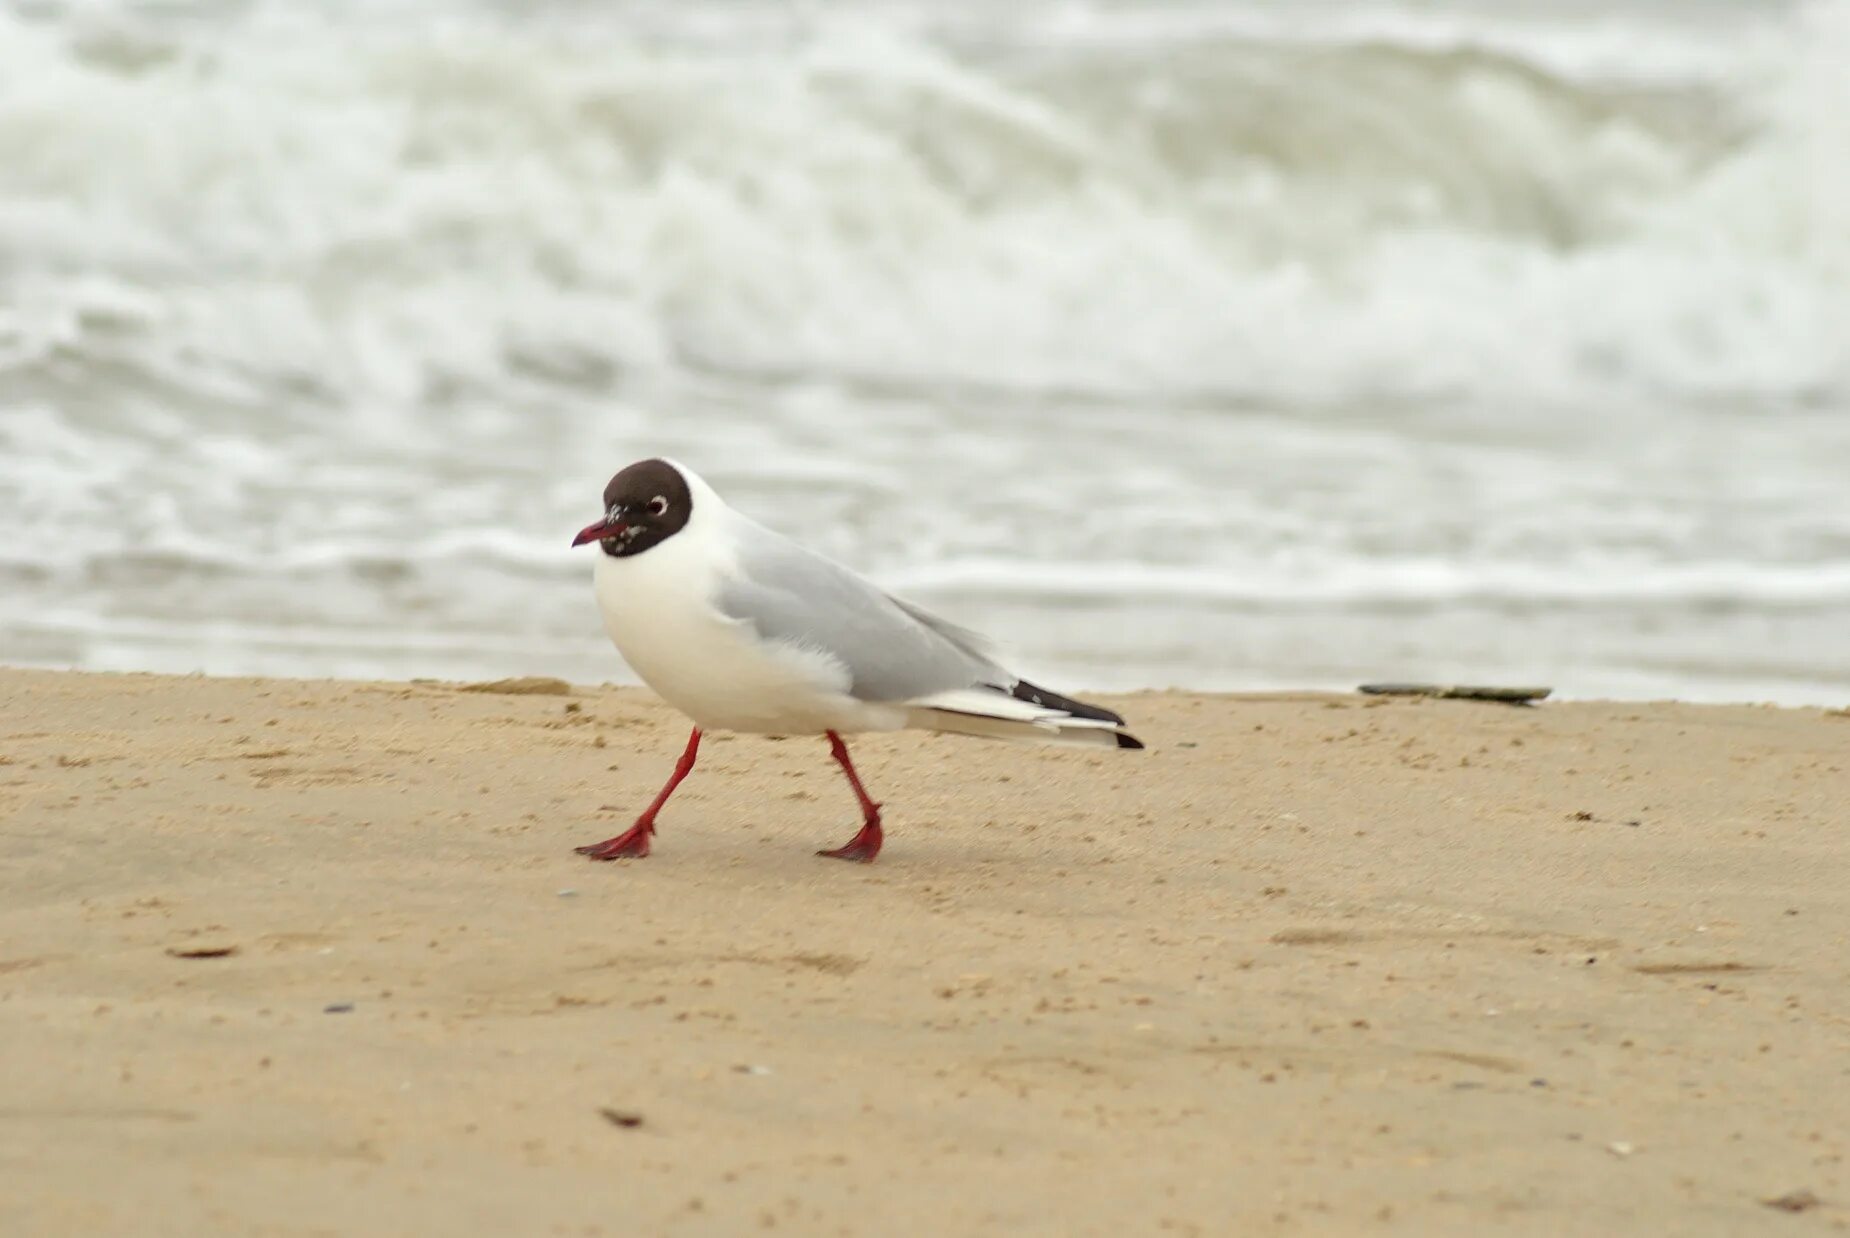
x=742, y=629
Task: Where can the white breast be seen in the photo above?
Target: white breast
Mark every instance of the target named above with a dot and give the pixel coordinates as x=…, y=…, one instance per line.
x=658, y=608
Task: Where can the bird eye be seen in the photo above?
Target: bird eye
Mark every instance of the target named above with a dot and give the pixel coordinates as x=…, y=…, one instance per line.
x=658, y=506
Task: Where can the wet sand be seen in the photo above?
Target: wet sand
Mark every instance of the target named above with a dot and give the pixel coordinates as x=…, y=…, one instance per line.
x=284, y=957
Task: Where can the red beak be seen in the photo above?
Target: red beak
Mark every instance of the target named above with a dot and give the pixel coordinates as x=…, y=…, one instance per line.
x=599, y=531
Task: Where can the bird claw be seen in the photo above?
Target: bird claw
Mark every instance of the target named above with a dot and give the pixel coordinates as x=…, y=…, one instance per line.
x=631, y=844
x=862, y=848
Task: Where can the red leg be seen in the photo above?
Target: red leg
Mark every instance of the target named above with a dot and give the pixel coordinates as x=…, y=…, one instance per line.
x=865, y=845
x=633, y=843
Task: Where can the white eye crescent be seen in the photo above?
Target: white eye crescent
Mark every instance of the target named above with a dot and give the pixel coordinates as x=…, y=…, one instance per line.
x=658, y=506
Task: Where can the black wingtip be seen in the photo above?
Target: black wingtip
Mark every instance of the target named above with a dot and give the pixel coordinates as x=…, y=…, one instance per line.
x=1034, y=694
x=1129, y=741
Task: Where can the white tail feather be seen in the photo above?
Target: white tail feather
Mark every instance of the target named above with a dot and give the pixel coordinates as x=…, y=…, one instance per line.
x=995, y=716
x=1087, y=736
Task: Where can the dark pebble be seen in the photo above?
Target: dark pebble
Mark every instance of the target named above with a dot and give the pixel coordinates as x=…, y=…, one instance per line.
x=1793, y=1201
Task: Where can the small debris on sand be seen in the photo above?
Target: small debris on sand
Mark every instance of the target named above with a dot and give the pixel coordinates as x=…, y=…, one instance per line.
x=531, y=685
x=1793, y=1201
x=1458, y=692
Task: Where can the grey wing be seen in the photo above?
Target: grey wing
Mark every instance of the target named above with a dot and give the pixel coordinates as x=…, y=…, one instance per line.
x=892, y=650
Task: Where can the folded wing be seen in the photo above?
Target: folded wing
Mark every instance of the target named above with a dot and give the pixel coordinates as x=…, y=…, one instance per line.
x=893, y=652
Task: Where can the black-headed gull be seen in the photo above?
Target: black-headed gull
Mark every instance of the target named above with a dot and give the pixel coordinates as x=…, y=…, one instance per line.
x=742, y=629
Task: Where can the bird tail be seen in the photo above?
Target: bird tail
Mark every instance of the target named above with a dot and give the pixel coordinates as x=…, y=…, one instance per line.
x=1021, y=712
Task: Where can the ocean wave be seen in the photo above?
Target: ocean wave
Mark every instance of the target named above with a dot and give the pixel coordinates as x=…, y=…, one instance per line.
x=321, y=325
x=446, y=571
x=375, y=208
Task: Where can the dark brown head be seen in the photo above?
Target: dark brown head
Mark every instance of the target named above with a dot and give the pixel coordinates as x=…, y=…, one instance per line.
x=644, y=505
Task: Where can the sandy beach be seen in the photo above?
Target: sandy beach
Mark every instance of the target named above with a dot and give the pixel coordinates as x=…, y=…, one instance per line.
x=293, y=957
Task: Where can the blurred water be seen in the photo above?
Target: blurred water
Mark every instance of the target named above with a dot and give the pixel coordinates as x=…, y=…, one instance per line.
x=1230, y=345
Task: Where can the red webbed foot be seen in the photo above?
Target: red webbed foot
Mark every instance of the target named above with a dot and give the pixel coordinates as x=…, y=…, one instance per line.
x=862, y=848
x=631, y=844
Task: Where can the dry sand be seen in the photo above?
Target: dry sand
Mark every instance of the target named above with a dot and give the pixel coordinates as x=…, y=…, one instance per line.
x=1310, y=965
